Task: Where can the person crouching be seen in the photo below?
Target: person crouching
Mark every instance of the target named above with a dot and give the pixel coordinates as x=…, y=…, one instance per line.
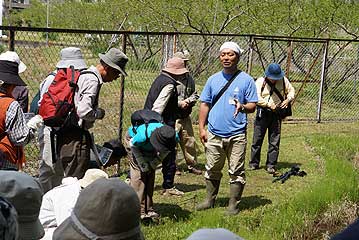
x=148, y=150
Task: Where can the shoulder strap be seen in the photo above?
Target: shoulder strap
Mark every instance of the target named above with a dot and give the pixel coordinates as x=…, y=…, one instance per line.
x=263, y=85
x=274, y=89
x=219, y=95
x=88, y=72
x=284, y=89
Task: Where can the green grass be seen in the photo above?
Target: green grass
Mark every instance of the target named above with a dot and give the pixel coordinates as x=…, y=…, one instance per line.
x=271, y=210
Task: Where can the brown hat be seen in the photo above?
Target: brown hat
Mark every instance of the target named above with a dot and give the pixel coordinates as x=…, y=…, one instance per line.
x=9, y=73
x=184, y=55
x=25, y=193
x=176, y=66
x=106, y=209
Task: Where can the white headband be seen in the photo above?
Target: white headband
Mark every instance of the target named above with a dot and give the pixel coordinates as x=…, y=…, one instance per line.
x=233, y=46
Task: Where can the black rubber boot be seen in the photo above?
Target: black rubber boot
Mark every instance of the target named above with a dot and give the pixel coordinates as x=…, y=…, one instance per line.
x=212, y=187
x=235, y=194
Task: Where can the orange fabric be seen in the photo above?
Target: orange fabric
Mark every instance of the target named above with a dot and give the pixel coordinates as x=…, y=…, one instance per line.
x=14, y=154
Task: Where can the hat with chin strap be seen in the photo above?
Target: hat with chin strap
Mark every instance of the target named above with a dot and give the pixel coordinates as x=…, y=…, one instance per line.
x=9, y=73
x=106, y=209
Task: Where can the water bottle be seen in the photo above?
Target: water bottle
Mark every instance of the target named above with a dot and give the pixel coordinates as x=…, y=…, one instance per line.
x=236, y=93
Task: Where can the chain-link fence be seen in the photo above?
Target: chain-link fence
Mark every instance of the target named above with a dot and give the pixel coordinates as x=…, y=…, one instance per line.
x=324, y=72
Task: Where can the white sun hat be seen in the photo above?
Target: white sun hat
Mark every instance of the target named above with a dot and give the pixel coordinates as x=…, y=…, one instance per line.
x=13, y=57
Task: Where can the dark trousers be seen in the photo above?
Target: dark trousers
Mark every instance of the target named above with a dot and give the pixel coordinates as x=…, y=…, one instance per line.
x=169, y=170
x=73, y=151
x=169, y=165
x=266, y=119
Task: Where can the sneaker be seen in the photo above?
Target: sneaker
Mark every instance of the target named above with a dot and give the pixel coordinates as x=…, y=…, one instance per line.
x=178, y=172
x=270, y=170
x=195, y=171
x=253, y=167
x=172, y=191
x=153, y=214
x=128, y=181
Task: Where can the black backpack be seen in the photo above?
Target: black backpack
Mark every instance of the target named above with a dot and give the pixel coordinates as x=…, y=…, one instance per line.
x=144, y=116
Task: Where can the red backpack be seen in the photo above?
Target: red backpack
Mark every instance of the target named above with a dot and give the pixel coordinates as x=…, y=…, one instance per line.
x=57, y=103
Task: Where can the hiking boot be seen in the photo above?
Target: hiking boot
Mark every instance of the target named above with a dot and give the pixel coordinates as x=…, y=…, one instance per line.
x=195, y=171
x=271, y=170
x=212, y=187
x=172, y=191
x=235, y=194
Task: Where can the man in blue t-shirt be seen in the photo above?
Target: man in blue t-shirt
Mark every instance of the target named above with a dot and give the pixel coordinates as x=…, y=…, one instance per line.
x=227, y=125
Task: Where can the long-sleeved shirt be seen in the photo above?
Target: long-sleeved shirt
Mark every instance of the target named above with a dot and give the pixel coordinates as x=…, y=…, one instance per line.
x=86, y=98
x=16, y=128
x=265, y=99
x=160, y=104
x=57, y=205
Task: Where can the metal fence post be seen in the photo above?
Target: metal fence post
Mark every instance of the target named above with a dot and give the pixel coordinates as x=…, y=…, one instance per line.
x=322, y=80
x=122, y=92
x=250, y=55
x=167, y=49
x=289, y=58
x=12, y=40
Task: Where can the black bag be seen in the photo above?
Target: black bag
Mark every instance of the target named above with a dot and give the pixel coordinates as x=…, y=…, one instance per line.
x=144, y=116
x=282, y=112
x=285, y=112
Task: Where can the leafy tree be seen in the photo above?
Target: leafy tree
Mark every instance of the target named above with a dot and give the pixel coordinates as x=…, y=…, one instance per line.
x=315, y=18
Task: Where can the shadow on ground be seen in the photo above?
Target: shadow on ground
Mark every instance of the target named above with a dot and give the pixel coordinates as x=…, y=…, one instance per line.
x=285, y=165
x=184, y=187
x=172, y=211
x=247, y=203
x=183, y=166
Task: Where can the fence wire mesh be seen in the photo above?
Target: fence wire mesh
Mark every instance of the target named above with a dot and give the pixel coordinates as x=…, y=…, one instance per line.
x=323, y=72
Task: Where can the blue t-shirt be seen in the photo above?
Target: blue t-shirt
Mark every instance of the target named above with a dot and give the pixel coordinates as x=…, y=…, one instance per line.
x=221, y=121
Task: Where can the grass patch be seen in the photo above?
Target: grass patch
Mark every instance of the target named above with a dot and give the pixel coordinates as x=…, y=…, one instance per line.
x=272, y=210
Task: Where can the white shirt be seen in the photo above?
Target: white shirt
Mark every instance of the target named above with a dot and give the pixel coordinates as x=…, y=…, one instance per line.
x=57, y=205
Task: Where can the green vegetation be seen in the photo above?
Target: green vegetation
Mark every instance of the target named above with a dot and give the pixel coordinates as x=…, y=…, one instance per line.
x=320, y=18
x=273, y=210
x=319, y=204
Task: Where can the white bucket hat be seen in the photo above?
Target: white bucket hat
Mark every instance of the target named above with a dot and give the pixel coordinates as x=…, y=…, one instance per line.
x=13, y=57
x=91, y=175
x=71, y=56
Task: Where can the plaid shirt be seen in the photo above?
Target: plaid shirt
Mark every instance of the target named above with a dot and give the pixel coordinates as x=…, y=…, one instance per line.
x=15, y=124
